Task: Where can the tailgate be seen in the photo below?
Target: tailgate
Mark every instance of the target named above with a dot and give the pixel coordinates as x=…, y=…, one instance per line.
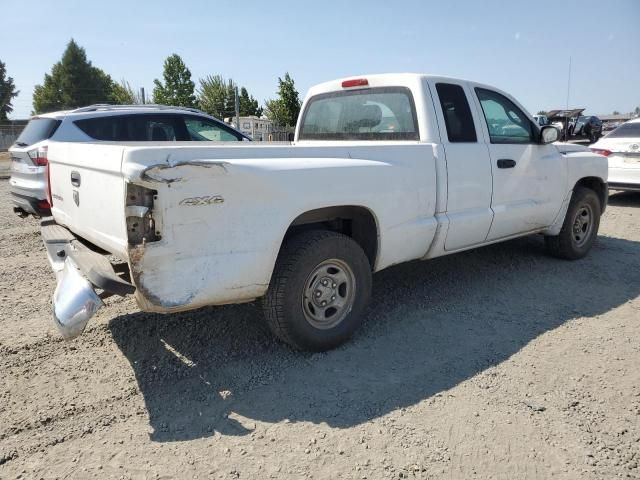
x=88, y=192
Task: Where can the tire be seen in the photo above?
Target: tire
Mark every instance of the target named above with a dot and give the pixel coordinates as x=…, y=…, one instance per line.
x=314, y=267
x=580, y=227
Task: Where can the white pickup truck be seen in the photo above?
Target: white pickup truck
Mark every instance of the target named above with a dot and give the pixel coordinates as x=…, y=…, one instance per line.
x=384, y=169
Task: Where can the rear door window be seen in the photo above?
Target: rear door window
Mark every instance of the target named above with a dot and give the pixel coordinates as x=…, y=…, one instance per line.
x=456, y=112
x=135, y=128
x=386, y=113
x=37, y=129
x=110, y=128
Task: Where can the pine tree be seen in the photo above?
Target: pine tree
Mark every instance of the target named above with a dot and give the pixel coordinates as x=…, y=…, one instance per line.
x=230, y=99
x=73, y=82
x=248, y=104
x=178, y=88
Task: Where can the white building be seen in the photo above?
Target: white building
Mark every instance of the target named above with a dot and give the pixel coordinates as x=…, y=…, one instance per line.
x=258, y=128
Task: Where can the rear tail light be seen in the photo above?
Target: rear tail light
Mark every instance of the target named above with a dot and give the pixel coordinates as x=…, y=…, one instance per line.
x=356, y=82
x=601, y=151
x=39, y=156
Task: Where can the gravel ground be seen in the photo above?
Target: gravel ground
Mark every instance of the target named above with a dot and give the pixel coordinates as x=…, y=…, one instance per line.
x=500, y=363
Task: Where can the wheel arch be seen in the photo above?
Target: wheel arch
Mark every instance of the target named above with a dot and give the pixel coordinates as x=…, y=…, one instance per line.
x=599, y=186
x=355, y=221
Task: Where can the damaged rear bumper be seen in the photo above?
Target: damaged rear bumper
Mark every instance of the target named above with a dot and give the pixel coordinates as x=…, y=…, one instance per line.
x=80, y=271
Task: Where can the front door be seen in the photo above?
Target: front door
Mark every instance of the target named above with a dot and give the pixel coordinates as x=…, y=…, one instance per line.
x=529, y=179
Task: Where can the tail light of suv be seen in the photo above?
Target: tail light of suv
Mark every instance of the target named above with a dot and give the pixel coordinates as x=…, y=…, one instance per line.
x=39, y=158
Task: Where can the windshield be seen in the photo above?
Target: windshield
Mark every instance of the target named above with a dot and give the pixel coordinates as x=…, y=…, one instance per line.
x=626, y=130
x=368, y=114
x=37, y=129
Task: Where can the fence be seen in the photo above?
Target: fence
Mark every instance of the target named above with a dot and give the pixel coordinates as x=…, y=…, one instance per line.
x=8, y=134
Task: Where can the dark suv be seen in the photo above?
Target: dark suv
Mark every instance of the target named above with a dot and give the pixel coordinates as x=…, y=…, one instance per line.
x=588, y=126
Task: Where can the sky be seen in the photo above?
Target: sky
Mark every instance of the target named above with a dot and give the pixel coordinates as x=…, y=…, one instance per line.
x=522, y=47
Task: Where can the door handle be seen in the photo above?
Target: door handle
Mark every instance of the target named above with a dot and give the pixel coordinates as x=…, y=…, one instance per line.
x=506, y=163
x=75, y=179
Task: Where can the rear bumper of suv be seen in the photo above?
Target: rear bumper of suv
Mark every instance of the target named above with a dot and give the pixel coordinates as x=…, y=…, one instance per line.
x=80, y=271
x=25, y=205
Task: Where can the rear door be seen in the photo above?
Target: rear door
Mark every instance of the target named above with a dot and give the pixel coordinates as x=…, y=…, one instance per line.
x=469, y=183
x=529, y=179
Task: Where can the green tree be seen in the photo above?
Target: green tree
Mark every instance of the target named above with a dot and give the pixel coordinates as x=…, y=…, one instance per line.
x=178, y=88
x=541, y=112
x=123, y=94
x=230, y=99
x=284, y=110
x=615, y=112
x=217, y=97
x=73, y=82
x=212, y=95
x=248, y=105
x=7, y=93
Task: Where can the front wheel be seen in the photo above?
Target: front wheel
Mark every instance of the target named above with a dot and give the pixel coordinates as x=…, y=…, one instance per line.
x=319, y=290
x=580, y=227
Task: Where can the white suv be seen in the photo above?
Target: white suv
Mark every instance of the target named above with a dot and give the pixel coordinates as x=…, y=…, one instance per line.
x=121, y=123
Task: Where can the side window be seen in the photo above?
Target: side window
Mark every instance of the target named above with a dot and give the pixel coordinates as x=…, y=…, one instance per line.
x=152, y=128
x=203, y=130
x=456, y=112
x=506, y=122
x=108, y=128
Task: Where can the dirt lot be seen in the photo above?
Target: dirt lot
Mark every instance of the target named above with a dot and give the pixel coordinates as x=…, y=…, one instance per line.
x=5, y=165
x=501, y=363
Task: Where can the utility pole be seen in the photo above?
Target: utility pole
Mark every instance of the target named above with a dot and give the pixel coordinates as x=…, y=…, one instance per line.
x=142, y=95
x=237, y=110
x=569, y=83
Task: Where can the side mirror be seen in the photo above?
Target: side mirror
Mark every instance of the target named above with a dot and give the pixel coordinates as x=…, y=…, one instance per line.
x=549, y=134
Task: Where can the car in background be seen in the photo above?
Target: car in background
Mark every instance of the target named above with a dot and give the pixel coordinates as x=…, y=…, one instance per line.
x=588, y=126
x=111, y=123
x=622, y=149
x=575, y=126
x=541, y=120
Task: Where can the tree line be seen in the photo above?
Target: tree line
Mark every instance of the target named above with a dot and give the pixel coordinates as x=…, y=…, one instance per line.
x=75, y=82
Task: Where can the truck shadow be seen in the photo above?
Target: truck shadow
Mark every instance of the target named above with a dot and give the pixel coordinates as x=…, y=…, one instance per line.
x=625, y=199
x=431, y=325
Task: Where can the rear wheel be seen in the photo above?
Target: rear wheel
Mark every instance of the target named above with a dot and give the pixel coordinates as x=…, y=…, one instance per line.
x=320, y=287
x=580, y=227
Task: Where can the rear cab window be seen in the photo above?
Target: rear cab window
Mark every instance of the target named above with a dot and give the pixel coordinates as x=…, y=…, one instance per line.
x=385, y=113
x=38, y=129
